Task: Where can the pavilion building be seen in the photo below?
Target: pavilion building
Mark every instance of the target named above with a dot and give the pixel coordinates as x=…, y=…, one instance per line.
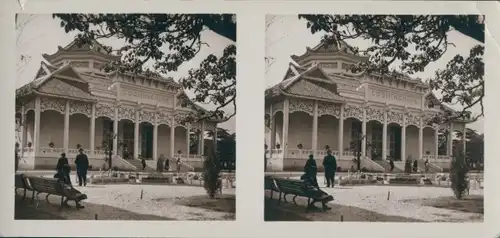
x=72, y=103
x=320, y=104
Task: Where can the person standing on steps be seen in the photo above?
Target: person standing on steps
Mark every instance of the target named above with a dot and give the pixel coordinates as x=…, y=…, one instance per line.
x=391, y=163
x=330, y=164
x=178, y=163
x=167, y=165
x=143, y=162
x=82, y=166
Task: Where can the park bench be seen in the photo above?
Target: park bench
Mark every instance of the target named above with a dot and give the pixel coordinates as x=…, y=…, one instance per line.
x=51, y=186
x=298, y=188
x=22, y=182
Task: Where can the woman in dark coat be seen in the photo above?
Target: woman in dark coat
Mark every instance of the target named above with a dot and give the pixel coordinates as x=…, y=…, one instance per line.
x=311, y=170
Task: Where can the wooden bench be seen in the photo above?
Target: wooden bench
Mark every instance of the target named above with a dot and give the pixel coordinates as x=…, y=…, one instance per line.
x=298, y=188
x=51, y=186
x=22, y=182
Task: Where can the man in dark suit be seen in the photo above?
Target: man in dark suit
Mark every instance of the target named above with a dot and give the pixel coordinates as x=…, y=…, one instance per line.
x=82, y=166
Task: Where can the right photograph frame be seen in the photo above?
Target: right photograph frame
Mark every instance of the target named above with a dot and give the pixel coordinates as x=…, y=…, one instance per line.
x=374, y=118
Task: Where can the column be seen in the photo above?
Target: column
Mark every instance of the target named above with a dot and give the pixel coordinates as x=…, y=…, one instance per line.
x=315, y=128
x=436, y=141
x=421, y=139
x=450, y=140
x=155, y=141
x=340, y=139
x=23, y=130
x=363, y=133
x=66, y=128
x=403, y=139
x=465, y=140
x=273, y=128
x=384, y=136
x=202, y=138
x=115, y=132
x=92, y=130
x=188, y=139
x=284, y=140
x=172, y=138
x=136, y=134
x=36, y=129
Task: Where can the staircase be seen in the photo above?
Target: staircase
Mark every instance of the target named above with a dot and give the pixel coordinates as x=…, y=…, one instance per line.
x=138, y=164
x=432, y=167
x=387, y=166
x=185, y=167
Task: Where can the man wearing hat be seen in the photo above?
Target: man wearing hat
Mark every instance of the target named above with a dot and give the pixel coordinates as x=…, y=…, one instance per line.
x=82, y=165
x=63, y=169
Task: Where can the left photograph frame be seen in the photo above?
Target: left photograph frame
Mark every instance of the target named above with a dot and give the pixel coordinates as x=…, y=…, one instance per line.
x=125, y=117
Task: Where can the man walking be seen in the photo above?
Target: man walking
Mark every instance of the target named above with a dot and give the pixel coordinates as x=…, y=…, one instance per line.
x=330, y=164
x=82, y=165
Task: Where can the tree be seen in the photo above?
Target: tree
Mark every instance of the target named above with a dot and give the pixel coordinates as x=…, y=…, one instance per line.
x=211, y=170
x=144, y=35
x=458, y=173
x=415, y=41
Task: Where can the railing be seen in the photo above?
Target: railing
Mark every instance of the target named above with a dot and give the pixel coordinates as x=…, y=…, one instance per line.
x=437, y=157
x=297, y=153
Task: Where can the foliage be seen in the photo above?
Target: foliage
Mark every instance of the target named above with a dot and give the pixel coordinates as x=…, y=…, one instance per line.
x=474, y=147
x=226, y=148
x=458, y=174
x=146, y=36
x=211, y=170
x=413, y=42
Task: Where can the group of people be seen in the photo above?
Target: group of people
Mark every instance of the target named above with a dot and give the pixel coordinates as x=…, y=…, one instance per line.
x=412, y=166
x=163, y=164
x=311, y=171
x=63, y=170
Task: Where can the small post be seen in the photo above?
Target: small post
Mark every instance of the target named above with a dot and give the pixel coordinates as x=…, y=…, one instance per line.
x=142, y=192
x=341, y=217
x=96, y=217
x=388, y=195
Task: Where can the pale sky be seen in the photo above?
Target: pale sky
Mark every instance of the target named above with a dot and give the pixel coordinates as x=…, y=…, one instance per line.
x=43, y=34
x=288, y=35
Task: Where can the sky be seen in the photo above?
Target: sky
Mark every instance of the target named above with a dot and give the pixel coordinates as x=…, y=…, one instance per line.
x=287, y=35
x=43, y=34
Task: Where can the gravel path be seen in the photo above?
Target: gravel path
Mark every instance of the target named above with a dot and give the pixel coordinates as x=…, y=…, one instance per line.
x=157, y=200
x=374, y=198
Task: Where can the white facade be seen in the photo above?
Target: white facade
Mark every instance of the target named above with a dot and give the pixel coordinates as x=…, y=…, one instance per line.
x=73, y=102
x=320, y=104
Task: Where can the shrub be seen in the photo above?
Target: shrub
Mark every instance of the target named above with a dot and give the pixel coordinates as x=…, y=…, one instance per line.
x=211, y=170
x=458, y=173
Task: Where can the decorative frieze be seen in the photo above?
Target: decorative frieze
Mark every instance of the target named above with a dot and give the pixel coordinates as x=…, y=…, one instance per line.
x=210, y=126
x=374, y=114
x=125, y=112
x=29, y=106
x=395, y=117
x=104, y=110
x=351, y=111
x=297, y=105
x=428, y=118
x=412, y=119
x=76, y=107
x=163, y=118
x=147, y=116
x=328, y=109
x=180, y=119
x=278, y=107
x=58, y=105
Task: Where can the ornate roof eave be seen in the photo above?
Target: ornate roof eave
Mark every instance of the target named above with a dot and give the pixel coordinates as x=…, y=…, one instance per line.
x=284, y=93
x=312, y=53
x=404, y=78
x=169, y=80
x=92, y=100
x=50, y=57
